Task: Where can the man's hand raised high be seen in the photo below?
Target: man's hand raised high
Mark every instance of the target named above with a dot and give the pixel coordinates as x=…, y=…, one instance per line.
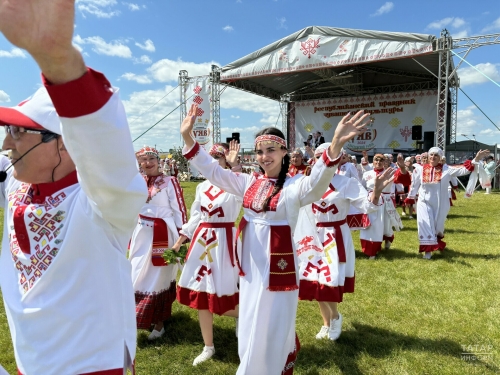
x=44, y=28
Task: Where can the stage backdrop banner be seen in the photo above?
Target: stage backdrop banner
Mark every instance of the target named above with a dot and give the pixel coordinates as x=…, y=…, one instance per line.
x=200, y=91
x=320, y=51
x=393, y=116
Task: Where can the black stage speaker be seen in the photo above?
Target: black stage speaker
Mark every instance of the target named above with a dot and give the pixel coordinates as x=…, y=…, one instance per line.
x=416, y=132
x=236, y=137
x=428, y=140
x=228, y=140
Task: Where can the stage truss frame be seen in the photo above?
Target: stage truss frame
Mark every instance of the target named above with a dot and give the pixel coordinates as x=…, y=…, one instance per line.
x=446, y=83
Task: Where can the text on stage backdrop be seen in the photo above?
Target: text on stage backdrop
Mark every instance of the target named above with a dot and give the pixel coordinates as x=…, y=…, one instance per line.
x=393, y=116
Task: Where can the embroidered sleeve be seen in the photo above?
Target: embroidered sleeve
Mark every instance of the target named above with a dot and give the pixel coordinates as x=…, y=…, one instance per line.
x=462, y=171
x=415, y=183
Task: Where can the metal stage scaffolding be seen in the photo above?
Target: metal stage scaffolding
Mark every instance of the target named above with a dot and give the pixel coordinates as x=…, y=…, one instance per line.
x=433, y=70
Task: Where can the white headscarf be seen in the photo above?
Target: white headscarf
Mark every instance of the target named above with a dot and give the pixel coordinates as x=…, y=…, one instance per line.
x=322, y=147
x=436, y=150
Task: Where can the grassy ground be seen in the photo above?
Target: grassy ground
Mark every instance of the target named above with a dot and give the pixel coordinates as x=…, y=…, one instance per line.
x=408, y=315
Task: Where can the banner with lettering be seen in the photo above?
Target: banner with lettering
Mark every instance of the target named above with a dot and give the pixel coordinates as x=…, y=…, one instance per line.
x=392, y=115
x=199, y=91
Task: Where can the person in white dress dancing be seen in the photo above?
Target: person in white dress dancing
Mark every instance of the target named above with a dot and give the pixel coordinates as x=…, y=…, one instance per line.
x=267, y=343
x=159, y=222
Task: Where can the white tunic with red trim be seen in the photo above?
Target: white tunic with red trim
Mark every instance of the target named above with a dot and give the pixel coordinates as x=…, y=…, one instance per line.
x=209, y=279
x=431, y=185
x=328, y=272
x=266, y=333
x=166, y=202
x=64, y=275
x=384, y=220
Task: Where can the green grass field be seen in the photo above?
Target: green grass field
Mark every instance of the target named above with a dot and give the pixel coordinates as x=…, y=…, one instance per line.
x=407, y=316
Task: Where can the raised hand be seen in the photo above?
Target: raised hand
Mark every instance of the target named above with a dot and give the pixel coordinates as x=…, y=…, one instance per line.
x=348, y=128
x=401, y=163
x=187, y=126
x=481, y=154
x=44, y=28
x=232, y=153
x=381, y=181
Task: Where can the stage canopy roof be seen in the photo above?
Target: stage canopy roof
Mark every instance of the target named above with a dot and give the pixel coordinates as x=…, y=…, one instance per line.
x=324, y=62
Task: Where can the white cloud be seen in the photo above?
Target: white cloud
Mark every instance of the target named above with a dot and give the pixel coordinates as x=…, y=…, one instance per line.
x=101, y=47
x=470, y=76
x=168, y=70
x=386, y=8
x=14, y=52
x=466, y=122
x=133, y=7
x=494, y=26
x=147, y=46
x=4, y=97
x=98, y=8
x=228, y=28
x=458, y=22
x=144, y=59
x=460, y=34
x=282, y=23
x=455, y=22
x=142, y=79
x=235, y=117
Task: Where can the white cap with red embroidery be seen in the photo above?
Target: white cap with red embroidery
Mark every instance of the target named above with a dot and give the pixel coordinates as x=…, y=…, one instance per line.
x=36, y=112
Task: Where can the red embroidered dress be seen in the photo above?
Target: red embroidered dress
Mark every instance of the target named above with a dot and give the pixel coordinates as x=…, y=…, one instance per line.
x=209, y=279
x=158, y=224
x=266, y=335
x=301, y=169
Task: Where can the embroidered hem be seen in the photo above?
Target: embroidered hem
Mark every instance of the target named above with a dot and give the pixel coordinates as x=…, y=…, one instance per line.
x=206, y=301
x=315, y=291
x=151, y=308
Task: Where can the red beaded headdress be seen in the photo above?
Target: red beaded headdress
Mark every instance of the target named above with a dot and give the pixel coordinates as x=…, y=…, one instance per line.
x=269, y=138
x=217, y=150
x=147, y=150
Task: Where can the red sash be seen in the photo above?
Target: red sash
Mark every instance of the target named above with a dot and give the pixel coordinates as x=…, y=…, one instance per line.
x=282, y=275
x=337, y=235
x=160, y=240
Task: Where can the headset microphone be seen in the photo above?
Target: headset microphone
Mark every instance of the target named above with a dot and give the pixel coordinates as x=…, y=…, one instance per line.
x=46, y=137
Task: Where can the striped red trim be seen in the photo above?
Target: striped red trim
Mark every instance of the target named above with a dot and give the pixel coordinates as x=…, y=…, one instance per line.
x=191, y=153
x=180, y=199
x=330, y=163
x=371, y=248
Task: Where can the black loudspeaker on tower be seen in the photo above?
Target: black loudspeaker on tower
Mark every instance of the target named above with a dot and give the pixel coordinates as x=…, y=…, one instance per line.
x=428, y=140
x=228, y=140
x=416, y=133
x=236, y=136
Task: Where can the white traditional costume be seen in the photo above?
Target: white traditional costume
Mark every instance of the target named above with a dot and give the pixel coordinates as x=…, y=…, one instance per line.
x=157, y=229
x=384, y=220
x=64, y=275
x=267, y=343
x=356, y=219
x=327, y=270
x=431, y=185
x=209, y=280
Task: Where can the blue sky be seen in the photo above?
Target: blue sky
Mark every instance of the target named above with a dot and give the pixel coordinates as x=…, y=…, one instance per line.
x=142, y=45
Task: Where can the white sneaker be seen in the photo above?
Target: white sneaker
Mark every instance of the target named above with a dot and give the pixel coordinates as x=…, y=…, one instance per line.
x=372, y=257
x=323, y=333
x=156, y=334
x=410, y=217
x=335, y=328
x=387, y=244
x=428, y=255
x=403, y=213
x=206, y=354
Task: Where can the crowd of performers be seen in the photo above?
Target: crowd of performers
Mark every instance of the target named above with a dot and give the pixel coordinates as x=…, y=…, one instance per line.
x=296, y=241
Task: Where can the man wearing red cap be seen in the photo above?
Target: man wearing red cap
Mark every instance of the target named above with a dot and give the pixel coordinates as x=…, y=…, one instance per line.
x=65, y=279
